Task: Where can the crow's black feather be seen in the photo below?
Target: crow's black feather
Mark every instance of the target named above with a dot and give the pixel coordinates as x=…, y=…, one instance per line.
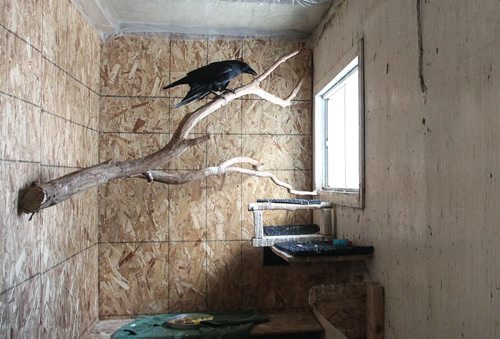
x=214, y=77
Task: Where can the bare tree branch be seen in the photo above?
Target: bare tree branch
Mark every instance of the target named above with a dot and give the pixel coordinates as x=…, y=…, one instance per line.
x=40, y=196
x=224, y=168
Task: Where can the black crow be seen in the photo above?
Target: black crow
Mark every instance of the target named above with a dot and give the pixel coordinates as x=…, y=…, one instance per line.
x=211, y=78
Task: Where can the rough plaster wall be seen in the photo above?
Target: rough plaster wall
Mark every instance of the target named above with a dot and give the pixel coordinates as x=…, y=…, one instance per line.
x=187, y=248
x=49, y=83
x=432, y=162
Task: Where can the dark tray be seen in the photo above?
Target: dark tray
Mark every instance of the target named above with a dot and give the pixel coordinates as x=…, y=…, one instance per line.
x=291, y=230
x=305, y=248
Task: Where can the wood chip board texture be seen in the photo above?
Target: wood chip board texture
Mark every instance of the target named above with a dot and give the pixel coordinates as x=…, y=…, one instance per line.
x=49, y=83
x=188, y=248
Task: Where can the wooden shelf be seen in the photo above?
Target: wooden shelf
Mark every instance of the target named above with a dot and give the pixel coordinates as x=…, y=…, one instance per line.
x=320, y=258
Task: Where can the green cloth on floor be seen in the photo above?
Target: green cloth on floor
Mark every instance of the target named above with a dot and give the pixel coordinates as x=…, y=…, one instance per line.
x=225, y=325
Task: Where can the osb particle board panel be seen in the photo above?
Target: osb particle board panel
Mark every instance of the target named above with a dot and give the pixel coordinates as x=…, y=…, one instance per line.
x=54, y=85
x=53, y=31
x=24, y=18
x=140, y=115
x=125, y=146
x=227, y=119
x=68, y=304
x=193, y=158
x=224, y=206
x=68, y=227
x=19, y=129
x=280, y=152
x=71, y=144
x=133, y=210
x=224, y=268
x=224, y=49
x=20, y=310
x=20, y=238
x=133, y=278
x=223, y=147
x=187, y=213
x=66, y=97
x=187, y=277
x=263, y=117
x=262, y=53
x=136, y=66
x=22, y=69
x=205, y=217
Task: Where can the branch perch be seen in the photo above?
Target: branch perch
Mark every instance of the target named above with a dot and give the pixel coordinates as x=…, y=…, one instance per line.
x=224, y=168
x=40, y=196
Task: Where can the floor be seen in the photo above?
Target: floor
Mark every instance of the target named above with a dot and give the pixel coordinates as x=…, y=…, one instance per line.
x=280, y=325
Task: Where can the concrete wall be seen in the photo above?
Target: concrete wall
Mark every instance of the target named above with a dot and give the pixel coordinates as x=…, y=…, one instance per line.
x=432, y=202
x=49, y=84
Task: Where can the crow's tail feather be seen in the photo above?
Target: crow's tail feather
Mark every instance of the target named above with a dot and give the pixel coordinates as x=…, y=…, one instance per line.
x=196, y=92
x=176, y=83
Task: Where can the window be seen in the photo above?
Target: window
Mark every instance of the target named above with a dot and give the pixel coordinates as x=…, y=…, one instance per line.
x=338, y=133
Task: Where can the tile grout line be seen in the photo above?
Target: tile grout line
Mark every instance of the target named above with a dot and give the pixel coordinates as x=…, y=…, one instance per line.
x=19, y=283
x=240, y=290
x=44, y=56
x=206, y=199
x=211, y=133
x=70, y=257
x=43, y=110
x=20, y=161
x=169, y=270
x=42, y=273
x=68, y=120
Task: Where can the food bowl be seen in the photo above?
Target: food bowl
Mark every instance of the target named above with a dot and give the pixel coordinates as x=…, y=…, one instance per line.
x=187, y=320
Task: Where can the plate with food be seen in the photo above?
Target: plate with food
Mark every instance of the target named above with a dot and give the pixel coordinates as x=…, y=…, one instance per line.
x=187, y=320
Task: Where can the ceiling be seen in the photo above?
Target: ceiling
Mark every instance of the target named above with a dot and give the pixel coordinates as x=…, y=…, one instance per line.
x=258, y=18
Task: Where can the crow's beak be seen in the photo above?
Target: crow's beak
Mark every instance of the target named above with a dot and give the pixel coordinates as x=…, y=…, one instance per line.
x=251, y=71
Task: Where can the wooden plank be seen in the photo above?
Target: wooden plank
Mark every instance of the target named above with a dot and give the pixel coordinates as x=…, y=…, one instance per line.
x=374, y=311
x=331, y=332
x=288, y=323
x=258, y=224
x=261, y=206
x=320, y=258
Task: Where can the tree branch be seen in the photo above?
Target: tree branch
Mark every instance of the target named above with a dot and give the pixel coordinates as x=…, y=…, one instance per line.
x=40, y=196
x=224, y=168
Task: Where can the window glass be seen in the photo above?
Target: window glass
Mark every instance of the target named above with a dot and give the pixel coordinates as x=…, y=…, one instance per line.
x=339, y=131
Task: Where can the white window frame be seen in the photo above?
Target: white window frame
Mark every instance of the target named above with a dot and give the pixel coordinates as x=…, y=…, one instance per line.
x=346, y=197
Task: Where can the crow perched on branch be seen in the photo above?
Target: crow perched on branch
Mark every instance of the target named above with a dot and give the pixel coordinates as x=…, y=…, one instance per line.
x=211, y=78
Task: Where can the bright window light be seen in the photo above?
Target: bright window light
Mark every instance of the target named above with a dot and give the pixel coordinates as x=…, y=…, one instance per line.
x=338, y=131
x=341, y=143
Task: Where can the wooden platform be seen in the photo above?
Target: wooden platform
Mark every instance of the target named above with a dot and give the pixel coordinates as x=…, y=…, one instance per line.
x=319, y=258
